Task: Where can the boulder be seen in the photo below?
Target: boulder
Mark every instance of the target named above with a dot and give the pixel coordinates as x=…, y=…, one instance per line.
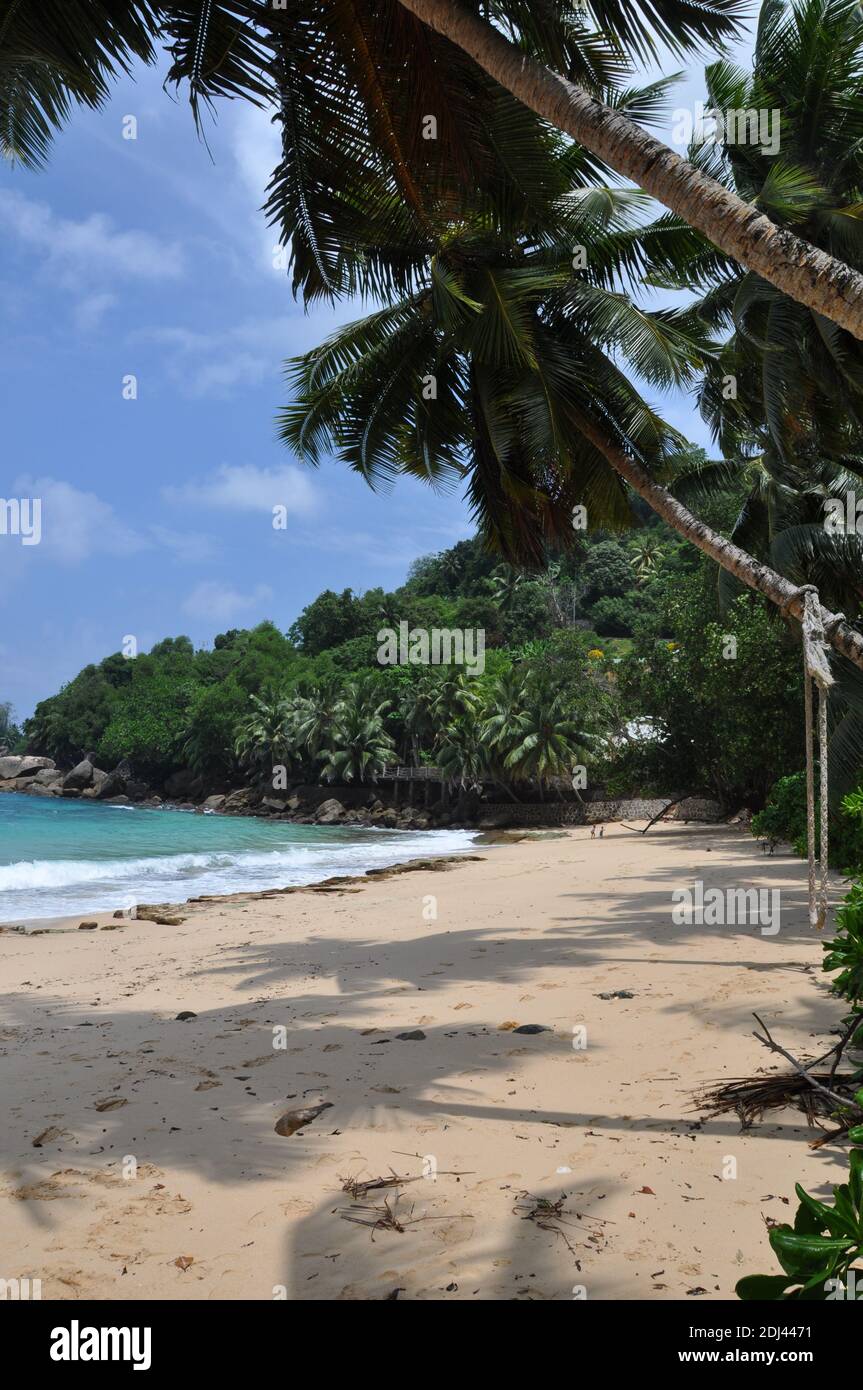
x=214, y=803
x=183, y=785
x=20, y=765
x=113, y=784
x=34, y=788
x=137, y=791
x=329, y=811
x=48, y=776
x=80, y=777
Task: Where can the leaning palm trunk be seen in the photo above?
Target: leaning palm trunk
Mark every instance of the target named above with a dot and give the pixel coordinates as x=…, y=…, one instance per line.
x=841, y=635
x=800, y=270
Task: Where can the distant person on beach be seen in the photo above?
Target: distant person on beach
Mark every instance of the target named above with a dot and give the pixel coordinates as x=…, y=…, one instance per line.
x=601, y=831
x=593, y=832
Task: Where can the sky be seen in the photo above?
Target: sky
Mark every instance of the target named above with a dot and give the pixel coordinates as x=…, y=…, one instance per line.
x=149, y=258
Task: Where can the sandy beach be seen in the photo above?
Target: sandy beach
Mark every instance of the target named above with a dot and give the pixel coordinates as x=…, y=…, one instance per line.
x=158, y=1172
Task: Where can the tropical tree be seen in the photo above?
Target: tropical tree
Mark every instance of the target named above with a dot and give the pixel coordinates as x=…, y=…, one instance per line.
x=545, y=741
x=504, y=363
x=266, y=737
x=460, y=751
x=646, y=556
x=353, y=83
x=11, y=736
x=358, y=746
x=505, y=583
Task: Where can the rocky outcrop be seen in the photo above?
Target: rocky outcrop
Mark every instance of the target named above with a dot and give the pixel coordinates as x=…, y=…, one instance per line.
x=80, y=777
x=113, y=784
x=329, y=812
x=22, y=765
x=214, y=803
x=183, y=785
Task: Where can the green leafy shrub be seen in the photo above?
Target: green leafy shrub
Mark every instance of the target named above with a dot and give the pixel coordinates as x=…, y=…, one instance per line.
x=820, y=1249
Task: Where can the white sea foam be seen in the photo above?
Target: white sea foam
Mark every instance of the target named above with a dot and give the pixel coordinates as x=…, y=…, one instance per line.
x=39, y=888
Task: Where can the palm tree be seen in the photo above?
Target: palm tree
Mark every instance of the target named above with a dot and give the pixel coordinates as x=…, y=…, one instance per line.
x=461, y=753
x=505, y=584
x=353, y=82
x=265, y=738
x=504, y=366
x=359, y=747
x=416, y=708
x=647, y=556
x=544, y=741
x=312, y=712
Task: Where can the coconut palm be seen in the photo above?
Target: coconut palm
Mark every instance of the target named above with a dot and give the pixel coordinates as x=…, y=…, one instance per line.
x=543, y=740
x=647, y=556
x=265, y=739
x=505, y=584
x=358, y=747
x=461, y=752
x=312, y=711
x=352, y=83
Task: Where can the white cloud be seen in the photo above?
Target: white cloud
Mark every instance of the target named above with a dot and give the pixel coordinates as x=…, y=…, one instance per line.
x=245, y=488
x=238, y=355
x=90, y=311
x=211, y=601
x=189, y=547
x=77, y=524
x=92, y=250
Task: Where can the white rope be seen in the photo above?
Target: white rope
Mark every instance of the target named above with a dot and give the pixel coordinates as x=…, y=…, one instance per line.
x=816, y=668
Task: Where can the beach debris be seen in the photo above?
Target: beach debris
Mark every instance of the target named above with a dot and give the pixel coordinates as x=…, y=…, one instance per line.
x=47, y=1136
x=532, y=1028
x=508, y=1026
x=292, y=1120
x=382, y=1218
x=616, y=994
x=114, y=1103
x=416, y=1036
x=357, y=1187
x=184, y=1262
x=207, y=1085
x=88, y=926
x=160, y=918
x=185, y=1016
x=547, y=1215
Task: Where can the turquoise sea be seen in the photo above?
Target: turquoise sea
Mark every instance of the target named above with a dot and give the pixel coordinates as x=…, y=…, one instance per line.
x=59, y=858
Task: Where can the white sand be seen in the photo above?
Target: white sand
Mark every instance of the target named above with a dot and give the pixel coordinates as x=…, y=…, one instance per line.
x=530, y=935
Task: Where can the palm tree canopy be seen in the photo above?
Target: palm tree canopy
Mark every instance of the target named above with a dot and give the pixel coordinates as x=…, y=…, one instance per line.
x=488, y=368
x=352, y=85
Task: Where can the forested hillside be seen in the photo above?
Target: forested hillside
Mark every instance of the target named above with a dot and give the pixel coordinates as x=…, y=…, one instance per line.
x=614, y=658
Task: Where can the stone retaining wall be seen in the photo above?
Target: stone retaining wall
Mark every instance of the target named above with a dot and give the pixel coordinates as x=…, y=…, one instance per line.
x=592, y=812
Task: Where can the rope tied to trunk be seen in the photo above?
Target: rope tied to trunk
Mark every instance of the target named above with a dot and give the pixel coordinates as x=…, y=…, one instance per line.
x=816, y=668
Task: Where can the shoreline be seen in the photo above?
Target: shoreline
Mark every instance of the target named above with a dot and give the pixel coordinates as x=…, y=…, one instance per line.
x=174, y=913
x=145, y=1160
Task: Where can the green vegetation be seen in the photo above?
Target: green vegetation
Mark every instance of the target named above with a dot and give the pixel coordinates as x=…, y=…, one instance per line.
x=819, y=1253
x=11, y=737
x=558, y=690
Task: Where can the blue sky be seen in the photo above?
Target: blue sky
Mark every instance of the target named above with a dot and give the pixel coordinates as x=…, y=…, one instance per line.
x=146, y=257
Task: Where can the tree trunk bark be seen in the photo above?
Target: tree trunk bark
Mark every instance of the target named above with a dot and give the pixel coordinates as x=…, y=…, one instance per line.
x=822, y=283
x=841, y=635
